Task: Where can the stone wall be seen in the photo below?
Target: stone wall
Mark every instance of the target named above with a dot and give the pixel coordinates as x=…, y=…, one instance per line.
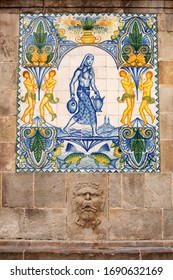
x=40, y=206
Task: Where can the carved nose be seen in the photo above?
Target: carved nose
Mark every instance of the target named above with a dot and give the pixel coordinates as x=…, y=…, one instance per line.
x=88, y=196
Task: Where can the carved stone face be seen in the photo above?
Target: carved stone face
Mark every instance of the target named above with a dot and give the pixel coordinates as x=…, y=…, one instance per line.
x=88, y=203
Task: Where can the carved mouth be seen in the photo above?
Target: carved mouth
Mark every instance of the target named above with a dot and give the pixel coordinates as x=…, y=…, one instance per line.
x=89, y=208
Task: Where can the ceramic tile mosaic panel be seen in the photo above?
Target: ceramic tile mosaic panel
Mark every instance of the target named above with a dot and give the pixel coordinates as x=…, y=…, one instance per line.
x=88, y=93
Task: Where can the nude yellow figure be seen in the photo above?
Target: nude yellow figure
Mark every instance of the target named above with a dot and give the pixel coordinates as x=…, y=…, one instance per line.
x=49, y=85
x=146, y=98
x=29, y=97
x=128, y=96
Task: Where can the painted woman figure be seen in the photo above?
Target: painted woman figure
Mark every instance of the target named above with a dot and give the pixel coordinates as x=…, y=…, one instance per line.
x=146, y=98
x=128, y=96
x=30, y=96
x=85, y=78
x=48, y=86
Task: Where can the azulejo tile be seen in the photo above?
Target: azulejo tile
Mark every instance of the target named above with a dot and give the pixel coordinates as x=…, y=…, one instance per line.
x=88, y=93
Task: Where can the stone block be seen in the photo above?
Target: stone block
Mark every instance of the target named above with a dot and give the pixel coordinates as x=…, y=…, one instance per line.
x=157, y=192
x=63, y=3
x=7, y=157
x=165, y=72
x=165, y=39
x=133, y=190
x=144, y=4
x=45, y=224
x=50, y=191
x=80, y=254
x=157, y=254
x=168, y=4
x=135, y=224
x=8, y=129
x=8, y=102
x=165, y=22
x=21, y=3
x=9, y=24
x=8, y=76
x=0, y=190
x=17, y=190
x=115, y=190
x=166, y=131
x=9, y=49
x=11, y=223
x=11, y=255
x=168, y=224
x=87, y=206
x=143, y=10
x=166, y=99
x=101, y=10
x=166, y=156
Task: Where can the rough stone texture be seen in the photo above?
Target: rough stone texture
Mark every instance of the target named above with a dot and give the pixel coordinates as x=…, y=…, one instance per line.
x=165, y=39
x=165, y=22
x=11, y=223
x=78, y=232
x=168, y=224
x=8, y=76
x=157, y=191
x=8, y=102
x=115, y=191
x=9, y=24
x=17, y=190
x=45, y=224
x=135, y=224
x=166, y=131
x=49, y=191
x=166, y=72
x=166, y=104
x=133, y=190
x=157, y=254
x=7, y=157
x=8, y=129
x=166, y=156
x=21, y=3
x=9, y=49
x=0, y=190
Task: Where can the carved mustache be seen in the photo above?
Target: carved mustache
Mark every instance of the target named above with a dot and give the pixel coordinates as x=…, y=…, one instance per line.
x=88, y=206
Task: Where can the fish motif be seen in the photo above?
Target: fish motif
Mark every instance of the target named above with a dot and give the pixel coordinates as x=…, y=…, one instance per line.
x=74, y=158
x=101, y=158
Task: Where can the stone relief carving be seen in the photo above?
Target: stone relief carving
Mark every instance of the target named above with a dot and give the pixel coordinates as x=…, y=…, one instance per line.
x=88, y=203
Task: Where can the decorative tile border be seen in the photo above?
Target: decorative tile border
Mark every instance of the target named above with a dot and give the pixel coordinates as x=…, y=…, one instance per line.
x=88, y=93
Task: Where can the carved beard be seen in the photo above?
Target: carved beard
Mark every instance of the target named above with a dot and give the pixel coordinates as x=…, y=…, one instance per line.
x=87, y=215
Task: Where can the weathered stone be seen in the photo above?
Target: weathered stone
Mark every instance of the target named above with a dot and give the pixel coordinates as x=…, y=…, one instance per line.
x=9, y=49
x=135, y=224
x=143, y=4
x=166, y=131
x=21, y=3
x=165, y=39
x=8, y=102
x=11, y=223
x=50, y=191
x=165, y=22
x=133, y=190
x=143, y=10
x=168, y=224
x=63, y=3
x=8, y=76
x=7, y=157
x=102, y=10
x=166, y=156
x=157, y=192
x=166, y=99
x=45, y=224
x=17, y=190
x=9, y=24
x=166, y=72
x=168, y=4
x=115, y=190
x=11, y=255
x=157, y=254
x=0, y=190
x=8, y=129
x=87, y=192
x=73, y=254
